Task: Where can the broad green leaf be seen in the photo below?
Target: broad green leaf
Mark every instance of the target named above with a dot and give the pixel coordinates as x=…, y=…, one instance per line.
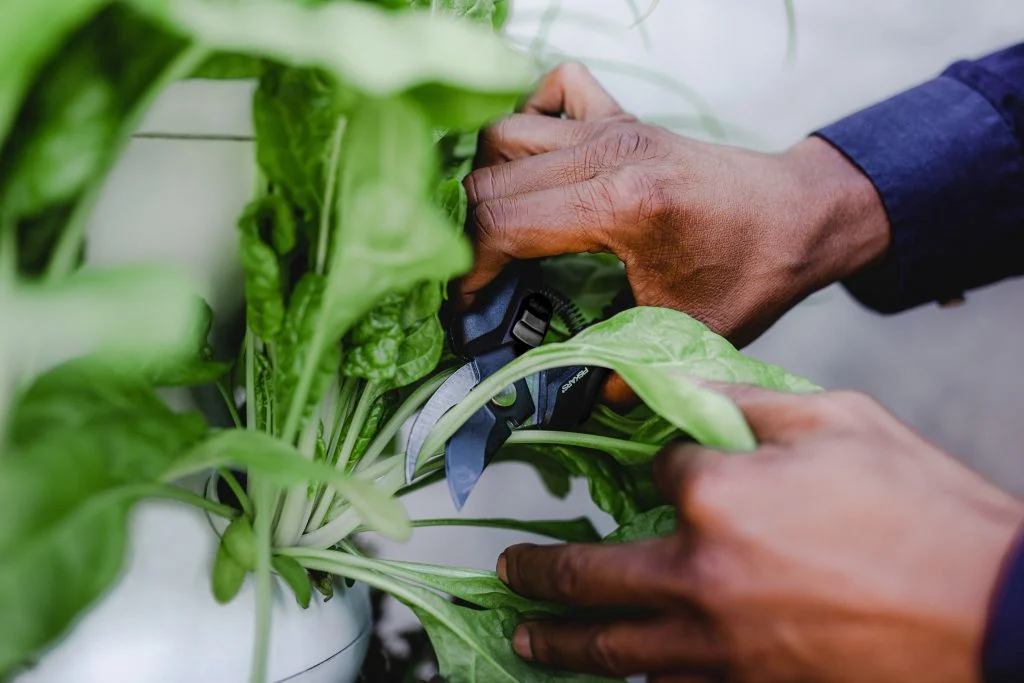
x=475, y=645
x=266, y=456
x=296, y=112
x=81, y=447
x=654, y=523
x=264, y=300
x=472, y=645
x=389, y=237
x=381, y=53
x=657, y=352
x=622, y=492
x=578, y=530
x=33, y=32
x=227, y=67
x=76, y=117
x=301, y=325
x=144, y=321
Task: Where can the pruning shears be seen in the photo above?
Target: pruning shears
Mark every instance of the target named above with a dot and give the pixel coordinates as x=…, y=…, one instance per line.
x=508, y=319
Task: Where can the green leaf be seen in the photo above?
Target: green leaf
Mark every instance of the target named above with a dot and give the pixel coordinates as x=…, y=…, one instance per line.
x=141, y=320
x=451, y=197
x=227, y=67
x=389, y=237
x=81, y=447
x=655, y=523
x=269, y=457
x=264, y=299
x=77, y=116
x=300, y=328
x=477, y=587
x=578, y=530
x=32, y=34
x=472, y=644
x=590, y=281
x=295, y=114
x=227, y=577
x=380, y=53
x=239, y=541
x=657, y=352
x=296, y=578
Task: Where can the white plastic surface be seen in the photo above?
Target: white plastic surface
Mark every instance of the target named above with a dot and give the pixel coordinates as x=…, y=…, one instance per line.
x=160, y=624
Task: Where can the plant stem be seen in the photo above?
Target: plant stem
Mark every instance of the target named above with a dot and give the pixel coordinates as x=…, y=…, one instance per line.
x=342, y=526
x=171, y=492
x=250, y=392
x=67, y=249
x=370, y=393
x=625, y=452
x=264, y=520
x=236, y=488
x=405, y=411
x=230, y=403
x=323, y=243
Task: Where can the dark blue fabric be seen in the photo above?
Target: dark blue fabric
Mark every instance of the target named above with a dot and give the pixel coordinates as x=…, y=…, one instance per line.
x=947, y=158
x=1003, y=653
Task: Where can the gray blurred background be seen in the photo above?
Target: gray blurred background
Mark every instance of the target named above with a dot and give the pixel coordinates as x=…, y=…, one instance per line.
x=953, y=374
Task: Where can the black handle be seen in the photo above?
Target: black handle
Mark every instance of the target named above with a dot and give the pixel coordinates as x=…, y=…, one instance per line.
x=510, y=311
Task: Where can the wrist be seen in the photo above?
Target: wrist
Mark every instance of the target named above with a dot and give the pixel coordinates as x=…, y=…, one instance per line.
x=843, y=226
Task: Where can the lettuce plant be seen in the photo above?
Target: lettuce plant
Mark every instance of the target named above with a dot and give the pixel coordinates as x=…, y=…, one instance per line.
x=365, y=116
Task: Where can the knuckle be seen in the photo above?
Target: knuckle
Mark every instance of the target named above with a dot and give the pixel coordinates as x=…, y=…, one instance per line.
x=496, y=137
x=845, y=406
x=479, y=183
x=624, y=142
x=706, y=496
x=571, y=70
x=602, y=651
x=641, y=191
x=569, y=569
x=490, y=219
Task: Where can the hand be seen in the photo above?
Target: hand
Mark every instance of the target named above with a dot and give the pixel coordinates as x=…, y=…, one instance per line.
x=732, y=237
x=846, y=549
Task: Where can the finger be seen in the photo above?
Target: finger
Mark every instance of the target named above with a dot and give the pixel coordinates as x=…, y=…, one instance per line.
x=521, y=135
x=530, y=174
x=563, y=220
x=618, y=396
x=775, y=417
x=644, y=573
x=679, y=466
x=572, y=90
x=621, y=648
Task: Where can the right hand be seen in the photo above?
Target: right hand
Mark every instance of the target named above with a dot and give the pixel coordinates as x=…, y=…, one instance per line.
x=732, y=237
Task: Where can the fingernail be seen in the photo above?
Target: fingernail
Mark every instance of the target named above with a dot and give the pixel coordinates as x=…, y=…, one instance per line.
x=502, y=569
x=521, y=643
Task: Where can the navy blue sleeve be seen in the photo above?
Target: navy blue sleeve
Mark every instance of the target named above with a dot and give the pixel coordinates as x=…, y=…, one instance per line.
x=947, y=159
x=1003, y=650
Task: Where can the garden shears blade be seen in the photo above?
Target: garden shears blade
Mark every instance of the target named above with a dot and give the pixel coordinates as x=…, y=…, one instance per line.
x=510, y=318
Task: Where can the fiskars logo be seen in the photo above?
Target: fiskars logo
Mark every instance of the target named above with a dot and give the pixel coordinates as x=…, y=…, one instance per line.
x=576, y=378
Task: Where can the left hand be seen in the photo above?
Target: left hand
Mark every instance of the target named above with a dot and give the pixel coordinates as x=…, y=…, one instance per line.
x=846, y=549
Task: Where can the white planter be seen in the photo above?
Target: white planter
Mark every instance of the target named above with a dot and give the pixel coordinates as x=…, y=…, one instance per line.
x=174, y=197
x=160, y=623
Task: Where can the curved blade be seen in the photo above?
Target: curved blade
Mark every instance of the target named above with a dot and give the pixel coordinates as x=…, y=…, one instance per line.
x=466, y=455
x=450, y=393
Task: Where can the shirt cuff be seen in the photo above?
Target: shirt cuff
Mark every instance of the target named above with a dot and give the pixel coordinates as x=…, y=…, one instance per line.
x=1003, y=649
x=948, y=168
